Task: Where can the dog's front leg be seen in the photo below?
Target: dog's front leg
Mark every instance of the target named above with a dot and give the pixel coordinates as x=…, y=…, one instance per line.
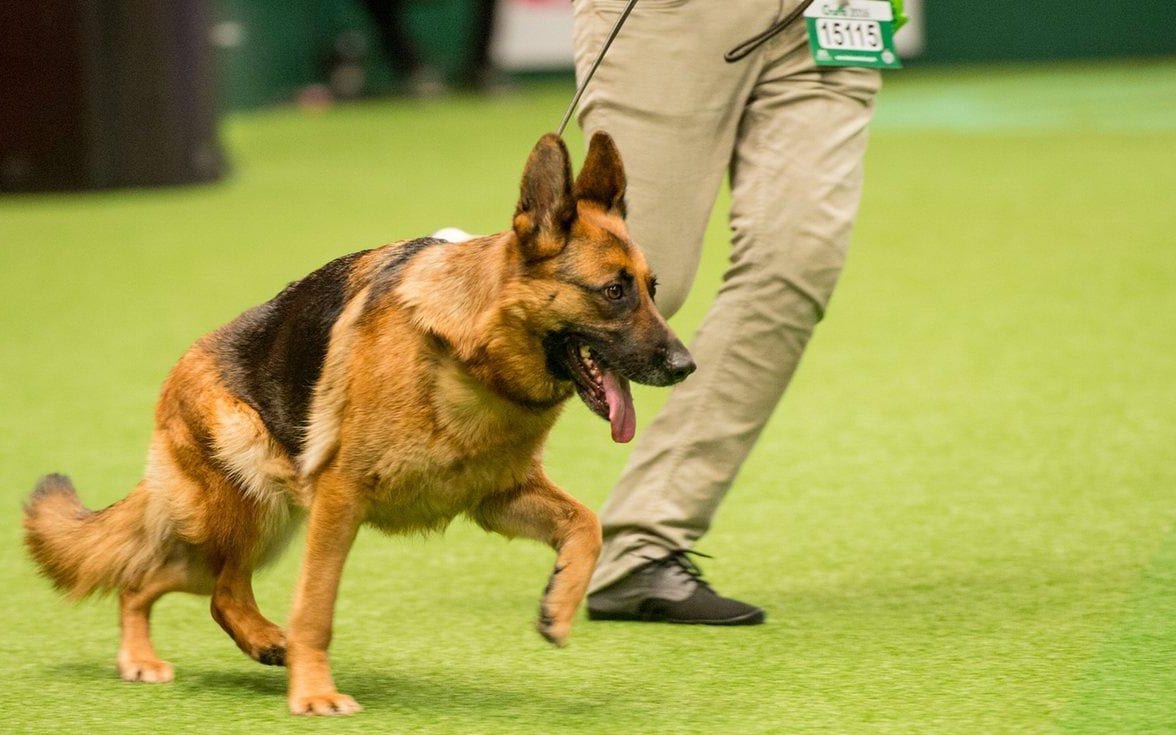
x=335, y=514
x=540, y=510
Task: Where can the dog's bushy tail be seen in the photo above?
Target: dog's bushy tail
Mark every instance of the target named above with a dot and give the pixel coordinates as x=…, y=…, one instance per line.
x=82, y=551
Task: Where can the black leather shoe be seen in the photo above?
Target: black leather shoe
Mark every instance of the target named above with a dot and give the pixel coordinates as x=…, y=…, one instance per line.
x=670, y=590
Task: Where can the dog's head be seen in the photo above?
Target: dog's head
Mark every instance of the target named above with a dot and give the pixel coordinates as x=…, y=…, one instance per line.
x=600, y=328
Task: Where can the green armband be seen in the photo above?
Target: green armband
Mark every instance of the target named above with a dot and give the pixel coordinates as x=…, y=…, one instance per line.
x=854, y=32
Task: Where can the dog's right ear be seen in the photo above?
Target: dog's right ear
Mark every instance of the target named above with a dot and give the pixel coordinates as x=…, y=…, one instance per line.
x=546, y=207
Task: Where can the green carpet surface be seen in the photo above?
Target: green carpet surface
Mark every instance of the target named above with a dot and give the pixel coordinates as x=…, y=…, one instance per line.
x=962, y=518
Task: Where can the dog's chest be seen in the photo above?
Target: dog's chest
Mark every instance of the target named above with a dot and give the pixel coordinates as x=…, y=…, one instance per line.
x=424, y=490
x=462, y=444
x=466, y=457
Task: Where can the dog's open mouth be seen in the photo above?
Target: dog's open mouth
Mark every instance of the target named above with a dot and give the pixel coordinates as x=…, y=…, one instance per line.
x=603, y=390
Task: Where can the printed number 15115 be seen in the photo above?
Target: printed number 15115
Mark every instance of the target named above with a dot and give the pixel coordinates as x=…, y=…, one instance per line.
x=849, y=35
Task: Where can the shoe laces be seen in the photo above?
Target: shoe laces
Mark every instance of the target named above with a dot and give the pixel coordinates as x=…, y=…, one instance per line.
x=680, y=561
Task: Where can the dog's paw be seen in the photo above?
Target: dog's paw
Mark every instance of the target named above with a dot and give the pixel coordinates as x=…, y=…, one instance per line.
x=268, y=648
x=554, y=633
x=272, y=656
x=332, y=703
x=151, y=670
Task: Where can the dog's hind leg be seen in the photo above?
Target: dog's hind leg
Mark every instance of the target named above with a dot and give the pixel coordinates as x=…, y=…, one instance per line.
x=137, y=660
x=237, y=533
x=235, y=609
x=542, y=511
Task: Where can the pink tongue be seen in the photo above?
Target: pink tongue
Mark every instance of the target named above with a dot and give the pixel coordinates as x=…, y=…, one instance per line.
x=621, y=415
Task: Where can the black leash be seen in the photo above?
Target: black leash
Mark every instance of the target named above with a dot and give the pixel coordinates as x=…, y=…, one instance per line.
x=599, y=57
x=741, y=51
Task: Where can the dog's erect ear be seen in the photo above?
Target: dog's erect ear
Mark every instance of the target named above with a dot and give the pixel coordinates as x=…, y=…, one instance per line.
x=546, y=207
x=602, y=179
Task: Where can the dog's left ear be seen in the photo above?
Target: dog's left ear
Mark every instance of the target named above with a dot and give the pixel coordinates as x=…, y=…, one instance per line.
x=602, y=180
x=546, y=208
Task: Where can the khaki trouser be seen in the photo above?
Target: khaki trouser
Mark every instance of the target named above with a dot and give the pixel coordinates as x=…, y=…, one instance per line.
x=791, y=136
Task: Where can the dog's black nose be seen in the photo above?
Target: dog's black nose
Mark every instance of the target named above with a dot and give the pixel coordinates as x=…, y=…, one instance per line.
x=679, y=363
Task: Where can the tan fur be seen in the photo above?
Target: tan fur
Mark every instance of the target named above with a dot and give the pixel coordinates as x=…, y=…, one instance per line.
x=330, y=397
x=84, y=552
x=434, y=400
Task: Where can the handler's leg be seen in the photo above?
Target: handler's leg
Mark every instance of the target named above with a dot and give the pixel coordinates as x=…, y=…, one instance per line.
x=674, y=120
x=796, y=181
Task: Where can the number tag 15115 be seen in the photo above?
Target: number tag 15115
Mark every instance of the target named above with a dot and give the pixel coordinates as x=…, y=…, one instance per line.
x=852, y=33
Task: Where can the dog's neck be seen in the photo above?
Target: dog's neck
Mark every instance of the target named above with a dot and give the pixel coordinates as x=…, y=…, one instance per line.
x=482, y=331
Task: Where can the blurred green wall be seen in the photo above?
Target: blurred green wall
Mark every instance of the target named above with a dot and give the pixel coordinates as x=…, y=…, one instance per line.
x=269, y=49
x=986, y=30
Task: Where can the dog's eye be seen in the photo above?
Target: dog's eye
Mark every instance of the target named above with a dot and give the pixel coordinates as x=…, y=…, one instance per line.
x=653, y=288
x=614, y=292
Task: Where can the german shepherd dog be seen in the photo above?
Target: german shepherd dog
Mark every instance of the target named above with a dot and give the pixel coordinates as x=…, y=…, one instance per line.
x=397, y=387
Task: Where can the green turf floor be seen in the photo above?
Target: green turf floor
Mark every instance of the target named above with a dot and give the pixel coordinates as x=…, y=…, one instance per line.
x=960, y=521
